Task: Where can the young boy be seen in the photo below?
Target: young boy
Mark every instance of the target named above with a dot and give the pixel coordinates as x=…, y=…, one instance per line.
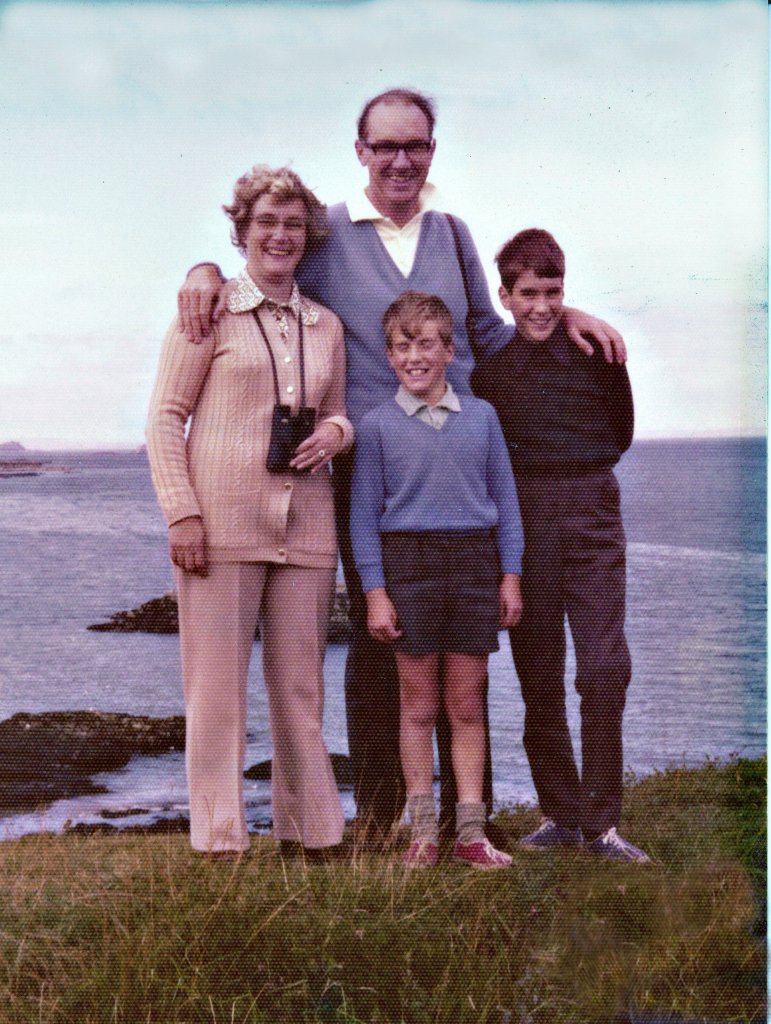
x=437, y=539
x=567, y=418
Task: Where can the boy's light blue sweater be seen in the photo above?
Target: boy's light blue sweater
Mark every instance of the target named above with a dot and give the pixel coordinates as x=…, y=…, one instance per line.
x=353, y=274
x=410, y=476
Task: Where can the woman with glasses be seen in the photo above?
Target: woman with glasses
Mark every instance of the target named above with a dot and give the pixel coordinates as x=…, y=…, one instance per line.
x=248, y=502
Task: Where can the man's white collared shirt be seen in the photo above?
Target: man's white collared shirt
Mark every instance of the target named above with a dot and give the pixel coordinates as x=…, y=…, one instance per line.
x=401, y=243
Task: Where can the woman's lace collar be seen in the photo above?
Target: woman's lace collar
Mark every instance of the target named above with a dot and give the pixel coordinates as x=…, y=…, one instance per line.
x=246, y=296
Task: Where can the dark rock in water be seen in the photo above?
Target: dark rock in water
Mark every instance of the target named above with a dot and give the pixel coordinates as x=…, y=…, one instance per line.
x=156, y=616
x=261, y=771
x=341, y=766
x=26, y=794
x=49, y=756
x=178, y=825
x=84, y=741
x=160, y=616
x=128, y=813
x=162, y=826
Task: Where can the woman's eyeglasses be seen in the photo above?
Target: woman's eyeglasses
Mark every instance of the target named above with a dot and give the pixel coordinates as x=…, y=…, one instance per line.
x=267, y=223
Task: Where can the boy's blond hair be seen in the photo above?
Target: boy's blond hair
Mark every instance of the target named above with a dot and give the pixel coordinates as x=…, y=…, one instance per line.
x=411, y=310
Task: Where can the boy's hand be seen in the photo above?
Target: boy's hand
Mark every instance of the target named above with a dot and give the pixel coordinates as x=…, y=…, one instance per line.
x=381, y=616
x=187, y=545
x=577, y=324
x=510, y=600
x=201, y=301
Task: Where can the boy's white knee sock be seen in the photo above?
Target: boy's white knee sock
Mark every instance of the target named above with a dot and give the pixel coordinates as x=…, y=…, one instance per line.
x=422, y=812
x=470, y=822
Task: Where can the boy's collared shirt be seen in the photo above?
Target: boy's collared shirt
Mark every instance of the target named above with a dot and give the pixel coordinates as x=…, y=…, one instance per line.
x=434, y=415
x=401, y=244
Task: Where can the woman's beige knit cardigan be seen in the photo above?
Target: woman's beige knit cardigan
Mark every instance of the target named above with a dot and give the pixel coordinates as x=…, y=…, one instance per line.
x=225, y=387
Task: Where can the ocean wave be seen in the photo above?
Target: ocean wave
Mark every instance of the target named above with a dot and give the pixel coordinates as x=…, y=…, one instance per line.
x=658, y=552
x=63, y=518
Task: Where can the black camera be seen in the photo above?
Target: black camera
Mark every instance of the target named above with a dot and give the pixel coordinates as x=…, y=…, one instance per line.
x=286, y=432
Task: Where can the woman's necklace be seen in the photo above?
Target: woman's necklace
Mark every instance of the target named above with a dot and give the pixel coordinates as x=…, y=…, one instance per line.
x=279, y=315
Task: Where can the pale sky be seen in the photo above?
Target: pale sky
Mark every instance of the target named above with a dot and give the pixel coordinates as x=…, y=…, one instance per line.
x=635, y=132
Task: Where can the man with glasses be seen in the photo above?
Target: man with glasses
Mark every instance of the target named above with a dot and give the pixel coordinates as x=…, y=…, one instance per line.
x=385, y=240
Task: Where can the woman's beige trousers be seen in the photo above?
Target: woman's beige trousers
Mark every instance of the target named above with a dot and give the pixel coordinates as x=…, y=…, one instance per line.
x=217, y=616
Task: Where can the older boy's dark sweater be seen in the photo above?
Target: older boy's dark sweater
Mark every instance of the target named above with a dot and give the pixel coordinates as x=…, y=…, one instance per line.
x=561, y=411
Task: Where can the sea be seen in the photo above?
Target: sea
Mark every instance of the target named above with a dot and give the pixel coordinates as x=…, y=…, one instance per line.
x=83, y=541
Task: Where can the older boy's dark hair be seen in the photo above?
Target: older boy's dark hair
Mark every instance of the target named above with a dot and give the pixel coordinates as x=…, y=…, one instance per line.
x=533, y=249
x=409, y=97
x=411, y=310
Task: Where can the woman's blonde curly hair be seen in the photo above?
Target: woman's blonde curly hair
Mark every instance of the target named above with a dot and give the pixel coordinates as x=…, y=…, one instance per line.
x=285, y=185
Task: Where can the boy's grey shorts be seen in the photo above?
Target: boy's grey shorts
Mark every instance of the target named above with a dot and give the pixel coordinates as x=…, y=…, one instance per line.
x=444, y=587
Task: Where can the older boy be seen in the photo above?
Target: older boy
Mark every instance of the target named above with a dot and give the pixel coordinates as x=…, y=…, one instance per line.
x=567, y=418
x=437, y=540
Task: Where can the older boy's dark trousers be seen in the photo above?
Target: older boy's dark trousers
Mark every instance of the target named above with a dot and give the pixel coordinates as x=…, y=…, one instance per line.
x=372, y=700
x=575, y=565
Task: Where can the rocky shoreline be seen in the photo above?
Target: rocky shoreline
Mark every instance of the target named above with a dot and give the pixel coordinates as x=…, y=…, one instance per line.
x=53, y=756
x=159, y=615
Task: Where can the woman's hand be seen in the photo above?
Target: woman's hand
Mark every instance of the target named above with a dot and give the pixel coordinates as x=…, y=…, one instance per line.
x=200, y=301
x=320, y=448
x=381, y=616
x=510, y=600
x=187, y=545
x=577, y=324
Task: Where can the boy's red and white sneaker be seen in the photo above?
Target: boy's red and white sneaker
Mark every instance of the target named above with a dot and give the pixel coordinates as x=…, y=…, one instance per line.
x=421, y=853
x=481, y=855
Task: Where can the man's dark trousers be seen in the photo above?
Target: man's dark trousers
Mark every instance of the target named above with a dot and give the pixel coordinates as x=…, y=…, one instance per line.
x=574, y=564
x=372, y=701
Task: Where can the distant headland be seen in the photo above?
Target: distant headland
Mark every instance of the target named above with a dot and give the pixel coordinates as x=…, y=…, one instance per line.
x=12, y=466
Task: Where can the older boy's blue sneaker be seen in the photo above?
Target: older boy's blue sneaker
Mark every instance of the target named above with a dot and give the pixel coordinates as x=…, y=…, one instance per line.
x=549, y=834
x=611, y=846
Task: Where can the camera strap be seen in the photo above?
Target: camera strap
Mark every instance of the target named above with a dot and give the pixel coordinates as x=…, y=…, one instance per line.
x=256, y=314
x=471, y=329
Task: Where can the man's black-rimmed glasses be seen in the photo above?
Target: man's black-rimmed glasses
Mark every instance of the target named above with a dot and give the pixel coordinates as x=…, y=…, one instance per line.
x=411, y=148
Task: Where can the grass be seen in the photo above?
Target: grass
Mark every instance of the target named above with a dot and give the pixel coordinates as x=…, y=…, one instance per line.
x=133, y=929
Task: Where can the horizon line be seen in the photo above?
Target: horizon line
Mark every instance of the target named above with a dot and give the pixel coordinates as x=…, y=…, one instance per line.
x=127, y=447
